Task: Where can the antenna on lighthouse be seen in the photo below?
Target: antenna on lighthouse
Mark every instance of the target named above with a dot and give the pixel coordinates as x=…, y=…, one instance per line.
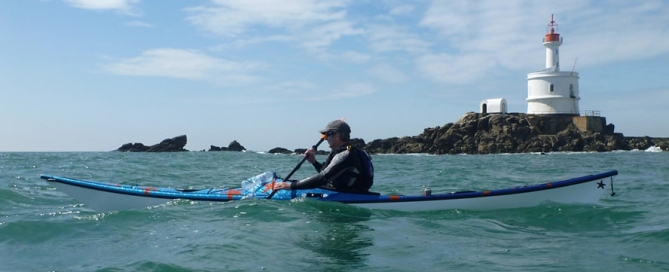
x=552, y=25
x=551, y=33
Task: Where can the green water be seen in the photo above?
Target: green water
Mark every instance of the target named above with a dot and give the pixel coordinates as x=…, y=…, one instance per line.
x=42, y=229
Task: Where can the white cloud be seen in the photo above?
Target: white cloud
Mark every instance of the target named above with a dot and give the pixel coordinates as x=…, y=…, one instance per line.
x=186, y=64
x=314, y=24
x=234, y=17
x=321, y=36
x=124, y=6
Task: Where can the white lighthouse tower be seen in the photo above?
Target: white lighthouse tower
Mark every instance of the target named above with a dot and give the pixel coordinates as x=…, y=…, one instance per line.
x=550, y=91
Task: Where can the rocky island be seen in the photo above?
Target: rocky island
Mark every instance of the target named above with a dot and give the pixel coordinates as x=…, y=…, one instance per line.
x=478, y=133
x=175, y=144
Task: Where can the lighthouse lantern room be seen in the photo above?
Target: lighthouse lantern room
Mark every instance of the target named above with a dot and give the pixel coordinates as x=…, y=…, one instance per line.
x=551, y=91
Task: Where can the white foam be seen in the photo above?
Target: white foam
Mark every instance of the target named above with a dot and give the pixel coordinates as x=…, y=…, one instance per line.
x=654, y=149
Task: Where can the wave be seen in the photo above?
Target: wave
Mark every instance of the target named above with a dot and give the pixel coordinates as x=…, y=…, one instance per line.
x=654, y=149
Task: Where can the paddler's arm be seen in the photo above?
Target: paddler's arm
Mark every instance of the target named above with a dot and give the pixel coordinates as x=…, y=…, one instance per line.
x=308, y=183
x=337, y=165
x=310, y=154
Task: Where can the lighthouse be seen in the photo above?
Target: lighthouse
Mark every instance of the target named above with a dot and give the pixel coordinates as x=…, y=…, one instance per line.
x=551, y=91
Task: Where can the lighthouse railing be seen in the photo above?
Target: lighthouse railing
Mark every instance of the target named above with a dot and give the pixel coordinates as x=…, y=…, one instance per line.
x=591, y=113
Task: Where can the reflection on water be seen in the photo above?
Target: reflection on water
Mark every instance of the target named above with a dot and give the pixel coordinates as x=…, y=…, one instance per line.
x=340, y=235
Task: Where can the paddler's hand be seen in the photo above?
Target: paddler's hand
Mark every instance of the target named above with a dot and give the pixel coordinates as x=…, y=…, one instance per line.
x=310, y=154
x=282, y=186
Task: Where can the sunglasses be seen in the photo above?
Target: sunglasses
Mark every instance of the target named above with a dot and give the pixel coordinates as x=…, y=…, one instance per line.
x=330, y=133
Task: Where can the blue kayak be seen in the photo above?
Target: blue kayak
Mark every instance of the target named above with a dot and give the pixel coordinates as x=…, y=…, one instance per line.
x=104, y=197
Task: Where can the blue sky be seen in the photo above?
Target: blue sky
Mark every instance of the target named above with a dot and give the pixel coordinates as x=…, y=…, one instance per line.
x=91, y=75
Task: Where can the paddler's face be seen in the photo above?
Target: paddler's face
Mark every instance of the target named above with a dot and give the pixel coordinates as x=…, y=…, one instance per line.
x=333, y=139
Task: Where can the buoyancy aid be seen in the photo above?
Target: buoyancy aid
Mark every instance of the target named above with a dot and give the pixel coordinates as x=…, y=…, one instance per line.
x=359, y=176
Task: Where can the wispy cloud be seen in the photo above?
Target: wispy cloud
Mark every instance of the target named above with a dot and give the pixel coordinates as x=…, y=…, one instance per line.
x=186, y=64
x=315, y=23
x=252, y=41
x=234, y=17
x=294, y=88
x=137, y=23
x=320, y=37
x=124, y=6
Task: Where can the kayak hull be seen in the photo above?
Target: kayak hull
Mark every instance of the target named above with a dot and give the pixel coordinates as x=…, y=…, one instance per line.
x=105, y=197
x=106, y=201
x=575, y=194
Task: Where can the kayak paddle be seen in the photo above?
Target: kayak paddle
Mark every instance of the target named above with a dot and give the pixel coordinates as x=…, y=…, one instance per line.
x=298, y=165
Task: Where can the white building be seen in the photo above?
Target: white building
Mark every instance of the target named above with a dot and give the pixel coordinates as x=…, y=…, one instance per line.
x=494, y=105
x=551, y=91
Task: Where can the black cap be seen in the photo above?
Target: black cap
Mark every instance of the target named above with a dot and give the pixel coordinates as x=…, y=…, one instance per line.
x=337, y=125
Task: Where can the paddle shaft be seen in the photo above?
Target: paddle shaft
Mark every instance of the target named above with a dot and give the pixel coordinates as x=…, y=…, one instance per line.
x=297, y=167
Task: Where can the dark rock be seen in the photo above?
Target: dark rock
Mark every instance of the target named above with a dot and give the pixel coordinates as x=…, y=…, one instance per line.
x=318, y=152
x=640, y=143
x=233, y=146
x=175, y=144
x=280, y=150
x=358, y=143
x=130, y=147
x=215, y=148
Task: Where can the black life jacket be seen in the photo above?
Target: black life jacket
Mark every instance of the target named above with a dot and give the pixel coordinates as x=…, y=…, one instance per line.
x=368, y=168
x=352, y=179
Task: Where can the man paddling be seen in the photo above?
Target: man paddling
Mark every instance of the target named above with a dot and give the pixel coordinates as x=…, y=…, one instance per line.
x=347, y=169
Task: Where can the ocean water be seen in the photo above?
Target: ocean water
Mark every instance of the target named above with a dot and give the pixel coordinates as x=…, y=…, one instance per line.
x=43, y=229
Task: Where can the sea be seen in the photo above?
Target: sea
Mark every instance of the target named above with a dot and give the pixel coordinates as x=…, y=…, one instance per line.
x=43, y=229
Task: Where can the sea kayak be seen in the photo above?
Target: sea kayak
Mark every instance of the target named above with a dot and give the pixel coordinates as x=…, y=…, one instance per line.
x=104, y=197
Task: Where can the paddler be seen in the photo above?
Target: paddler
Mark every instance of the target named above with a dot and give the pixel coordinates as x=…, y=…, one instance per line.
x=346, y=169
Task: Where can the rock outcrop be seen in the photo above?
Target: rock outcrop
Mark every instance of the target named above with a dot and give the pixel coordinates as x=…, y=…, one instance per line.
x=478, y=133
x=280, y=150
x=175, y=144
x=233, y=146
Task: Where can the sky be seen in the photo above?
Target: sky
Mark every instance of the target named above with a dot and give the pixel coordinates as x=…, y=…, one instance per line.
x=92, y=75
